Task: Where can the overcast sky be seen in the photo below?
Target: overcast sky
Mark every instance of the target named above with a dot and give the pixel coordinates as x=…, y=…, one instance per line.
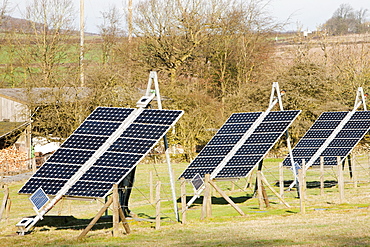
x=305, y=14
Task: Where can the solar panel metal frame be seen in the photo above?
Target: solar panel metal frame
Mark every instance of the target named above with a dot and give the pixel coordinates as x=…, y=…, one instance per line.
x=138, y=161
x=128, y=121
x=241, y=142
x=334, y=137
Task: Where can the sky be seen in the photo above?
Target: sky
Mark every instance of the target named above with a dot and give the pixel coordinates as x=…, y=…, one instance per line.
x=302, y=14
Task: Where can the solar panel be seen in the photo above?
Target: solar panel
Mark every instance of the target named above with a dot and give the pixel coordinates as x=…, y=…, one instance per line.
x=39, y=198
x=102, y=151
x=334, y=134
x=197, y=181
x=240, y=144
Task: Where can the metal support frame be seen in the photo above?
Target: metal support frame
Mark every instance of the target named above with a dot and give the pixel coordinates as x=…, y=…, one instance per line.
x=360, y=100
x=150, y=94
x=26, y=224
x=275, y=97
x=40, y=213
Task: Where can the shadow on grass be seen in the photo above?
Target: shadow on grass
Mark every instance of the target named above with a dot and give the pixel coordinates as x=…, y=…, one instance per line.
x=72, y=223
x=218, y=200
x=311, y=184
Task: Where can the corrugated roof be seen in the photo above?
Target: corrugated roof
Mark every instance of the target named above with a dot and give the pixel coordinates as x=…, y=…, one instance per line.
x=8, y=127
x=44, y=95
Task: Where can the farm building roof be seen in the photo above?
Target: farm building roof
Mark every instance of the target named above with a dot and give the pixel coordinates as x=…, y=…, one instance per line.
x=8, y=127
x=44, y=95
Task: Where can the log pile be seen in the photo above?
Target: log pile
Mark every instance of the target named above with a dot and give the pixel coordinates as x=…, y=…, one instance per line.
x=13, y=160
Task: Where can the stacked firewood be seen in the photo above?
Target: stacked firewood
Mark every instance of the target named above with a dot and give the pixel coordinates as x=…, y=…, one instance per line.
x=12, y=160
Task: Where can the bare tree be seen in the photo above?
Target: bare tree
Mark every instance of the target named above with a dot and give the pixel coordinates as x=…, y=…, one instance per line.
x=110, y=31
x=46, y=40
x=346, y=20
x=173, y=30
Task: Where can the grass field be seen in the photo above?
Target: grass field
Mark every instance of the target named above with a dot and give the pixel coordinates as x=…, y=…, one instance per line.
x=326, y=222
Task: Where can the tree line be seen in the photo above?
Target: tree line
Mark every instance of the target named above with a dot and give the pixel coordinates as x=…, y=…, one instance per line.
x=213, y=58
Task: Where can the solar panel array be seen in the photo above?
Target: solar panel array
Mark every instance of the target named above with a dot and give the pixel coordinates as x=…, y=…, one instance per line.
x=240, y=144
x=334, y=134
x=111, y=159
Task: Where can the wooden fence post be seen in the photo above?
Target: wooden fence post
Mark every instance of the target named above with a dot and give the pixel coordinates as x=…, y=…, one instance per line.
x=322, y=181
x=151, y=197
x=259, y=190
x=33, y=165
x=340, y=180
x=302, y=190
x=158, y=206
x=281, y=179
x=207, y=199
x=115, y=212
x=354, y=173
x=96, y=218
x=183, y=200
x=4, y=202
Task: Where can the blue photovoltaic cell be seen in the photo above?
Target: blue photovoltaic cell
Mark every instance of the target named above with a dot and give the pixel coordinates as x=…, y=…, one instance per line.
x=97, y=128
x=106, y=174
x=355, y=134
x=318, y=133
x=263, y=138
x=349, y=133
x=225, y=139
x=50, y=186
x=118, y=159
x=281, y=116
x=164, y=117
x=39, y=198
x=229, y=172
x=205, y=161
x=70, y=156
x=84, y=142
x=215, y=150
x=234, y=129
x=145, y=131
x=254, y=147
x=248, y=117
x=110, y=114
x=189, y=173
x=343, y=143
x=272, y=127
x=61, y=171
x=341, y=152
x=239, y=160
x=310, y=143
x=363, y=115
x=332, y=116
x=90, y=189
x=357, y=125
x=304, y=152
x=127, y=145
x=325, y=125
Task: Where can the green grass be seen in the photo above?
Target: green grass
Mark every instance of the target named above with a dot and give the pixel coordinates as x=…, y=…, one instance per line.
x=326, y=222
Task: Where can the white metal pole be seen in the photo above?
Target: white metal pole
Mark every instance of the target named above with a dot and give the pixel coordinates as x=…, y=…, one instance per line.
x=153, y=76
x=82, y=41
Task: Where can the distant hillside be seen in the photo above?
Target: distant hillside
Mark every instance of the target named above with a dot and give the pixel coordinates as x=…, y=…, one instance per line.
x=8, y=23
